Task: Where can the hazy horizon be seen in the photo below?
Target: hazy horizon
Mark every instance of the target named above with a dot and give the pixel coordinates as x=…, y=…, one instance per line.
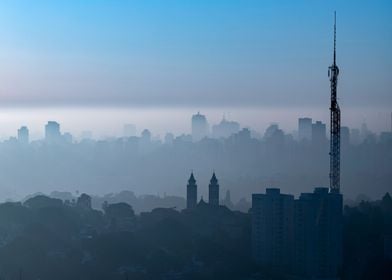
x=154, y=64
x=109, y=121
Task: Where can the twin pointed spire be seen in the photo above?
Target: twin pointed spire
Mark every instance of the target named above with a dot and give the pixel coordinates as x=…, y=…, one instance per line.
x=212, y=180
x=213, y=192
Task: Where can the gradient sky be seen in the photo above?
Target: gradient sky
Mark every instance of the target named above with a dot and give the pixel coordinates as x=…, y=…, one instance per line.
x=187, y=52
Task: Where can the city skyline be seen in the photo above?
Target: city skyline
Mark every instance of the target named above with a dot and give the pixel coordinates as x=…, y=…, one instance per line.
x=106, y=123
x=212, y=130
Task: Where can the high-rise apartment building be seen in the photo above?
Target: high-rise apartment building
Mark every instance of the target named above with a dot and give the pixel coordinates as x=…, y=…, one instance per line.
x=301, y=237
x=52, y=132
x=318, y=222
x=272, y=229
x=319, y=133
x=304, y=129
x=23, y=135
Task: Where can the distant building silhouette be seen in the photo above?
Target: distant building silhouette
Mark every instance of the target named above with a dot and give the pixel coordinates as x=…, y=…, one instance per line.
x=191, y=192
x=84, y=202
x=225, y=129
x=271, y=130
x=146, y=135
x=318, y=222
x=355, y=136
x=199, y=127
x=227, y=200
x=305, y=129
x=319, y=133
x=67, y=137
x=23, y=135
x=274, y=137
x=121, y=216
x=242, y=137
x=272, y=229
x=52, y=132
x=213, y=191
x=345, y=136
x=169, y=138
x=365, y=132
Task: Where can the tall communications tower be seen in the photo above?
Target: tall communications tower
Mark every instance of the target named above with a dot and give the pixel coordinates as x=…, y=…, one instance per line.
x=334, y=153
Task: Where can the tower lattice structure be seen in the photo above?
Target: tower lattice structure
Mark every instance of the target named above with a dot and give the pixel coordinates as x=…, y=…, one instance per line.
x=334, y=153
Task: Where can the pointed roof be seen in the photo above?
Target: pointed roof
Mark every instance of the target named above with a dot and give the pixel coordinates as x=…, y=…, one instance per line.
x=192, y=179
x=202, y=202
x=213, y=180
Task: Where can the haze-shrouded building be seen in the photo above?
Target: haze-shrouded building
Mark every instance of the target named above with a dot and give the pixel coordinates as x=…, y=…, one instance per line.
x=213, y=191
x=304, y=129
x=199, y=127
x=23, y=135
x=52, y=132
x=319, y=133
x=225, y=129
x=191, y=192
x=272, y=229
x=345, y=136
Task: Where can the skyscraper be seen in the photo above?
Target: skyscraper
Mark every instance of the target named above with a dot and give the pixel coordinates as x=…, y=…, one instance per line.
x=191, y=192
x=304, y=129
x=213, y=191
x=52, y=132
x=199, y=127
x=23, y=135
x=272, y=228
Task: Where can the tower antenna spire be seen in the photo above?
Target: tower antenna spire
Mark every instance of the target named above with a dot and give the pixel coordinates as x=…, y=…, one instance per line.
x=334, y=39
x=334, y=152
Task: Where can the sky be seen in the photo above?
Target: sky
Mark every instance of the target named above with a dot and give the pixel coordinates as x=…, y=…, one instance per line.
x=186, y=53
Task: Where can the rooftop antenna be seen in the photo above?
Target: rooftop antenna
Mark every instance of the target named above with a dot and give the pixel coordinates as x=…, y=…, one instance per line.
x=334, y=40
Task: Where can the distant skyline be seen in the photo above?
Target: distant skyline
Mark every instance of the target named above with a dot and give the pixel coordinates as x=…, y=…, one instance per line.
x=110, y=121
x=194, y=53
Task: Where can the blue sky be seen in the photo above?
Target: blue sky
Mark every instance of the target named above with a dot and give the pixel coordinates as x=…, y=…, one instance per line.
x=182, y=53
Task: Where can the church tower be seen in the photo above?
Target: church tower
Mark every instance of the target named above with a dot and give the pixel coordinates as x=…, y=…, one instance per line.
x=191, y=192
x=213, y=191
